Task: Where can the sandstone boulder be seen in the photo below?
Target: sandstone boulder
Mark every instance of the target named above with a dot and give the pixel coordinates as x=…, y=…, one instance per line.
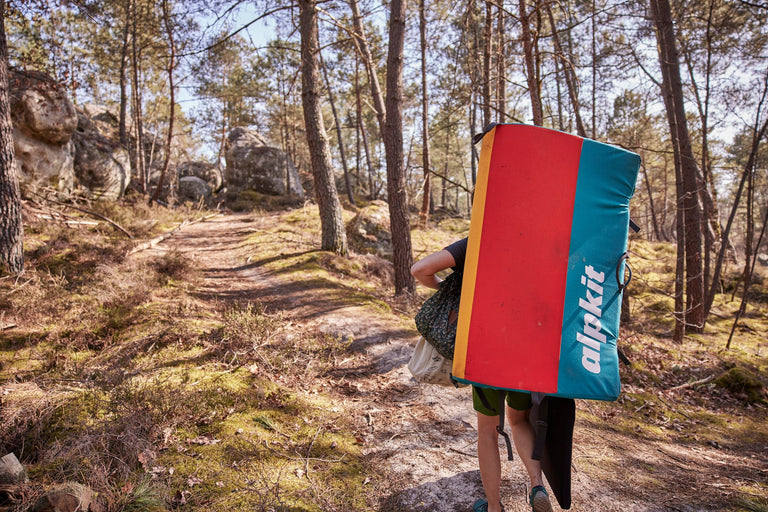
x=43, y=122
x=105, y=120
x=252, y=165
x=369, y=231
x=207, y=172
x=192, y=188
x=102, y=167
x=41, y=108
x=43, y=164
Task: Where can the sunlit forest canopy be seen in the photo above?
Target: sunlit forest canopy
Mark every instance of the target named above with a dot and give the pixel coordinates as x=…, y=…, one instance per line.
x=683, y=84
x=238, y=64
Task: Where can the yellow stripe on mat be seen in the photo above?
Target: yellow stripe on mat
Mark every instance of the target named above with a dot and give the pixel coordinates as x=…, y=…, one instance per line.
x=473, y=251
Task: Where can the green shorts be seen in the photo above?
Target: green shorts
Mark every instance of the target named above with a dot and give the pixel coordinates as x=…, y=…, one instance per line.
x=518, y=400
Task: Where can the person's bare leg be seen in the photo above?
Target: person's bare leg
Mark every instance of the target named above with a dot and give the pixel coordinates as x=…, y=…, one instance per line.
x=524, y=437
x=489, y=459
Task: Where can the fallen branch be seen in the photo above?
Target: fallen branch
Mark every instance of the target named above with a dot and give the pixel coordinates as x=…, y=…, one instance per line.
x=151, y=243
x=463, y=453
x=695, y=383
x=87, y=212
x=68, y=222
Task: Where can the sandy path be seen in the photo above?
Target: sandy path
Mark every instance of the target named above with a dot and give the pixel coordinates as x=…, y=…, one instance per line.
x=424, y=436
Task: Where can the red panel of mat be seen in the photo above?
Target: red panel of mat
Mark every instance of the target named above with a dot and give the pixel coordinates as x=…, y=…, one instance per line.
x=517, y=311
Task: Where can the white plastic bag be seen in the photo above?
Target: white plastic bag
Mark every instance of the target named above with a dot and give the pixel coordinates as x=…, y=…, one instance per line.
x=429, y=367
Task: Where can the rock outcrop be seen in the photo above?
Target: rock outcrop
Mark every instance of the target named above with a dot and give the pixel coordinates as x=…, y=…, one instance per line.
x=192, y=188
x=44, y=120
x=209, y=173
x=253, y=165
x=102, y=167
x=58, y=146
x=369, y=231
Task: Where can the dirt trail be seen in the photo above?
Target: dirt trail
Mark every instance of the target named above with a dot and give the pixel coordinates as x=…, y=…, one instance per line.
x=425, y=435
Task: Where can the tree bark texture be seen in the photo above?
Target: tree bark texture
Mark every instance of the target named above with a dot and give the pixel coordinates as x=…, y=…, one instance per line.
x=334, y=237
x=679, y=313
x=393, y=145
x=11, y=234
x=673, y=97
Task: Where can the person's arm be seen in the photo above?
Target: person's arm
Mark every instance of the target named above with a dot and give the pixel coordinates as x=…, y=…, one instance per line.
x=425, y=269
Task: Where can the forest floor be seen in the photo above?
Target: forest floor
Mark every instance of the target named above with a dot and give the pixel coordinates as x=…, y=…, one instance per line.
x=421, y=438
x=230, y=365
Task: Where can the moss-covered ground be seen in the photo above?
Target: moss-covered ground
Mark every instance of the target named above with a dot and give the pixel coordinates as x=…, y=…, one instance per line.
x=118, y=370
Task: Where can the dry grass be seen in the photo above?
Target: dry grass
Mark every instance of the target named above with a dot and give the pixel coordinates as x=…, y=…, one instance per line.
x=115, y=372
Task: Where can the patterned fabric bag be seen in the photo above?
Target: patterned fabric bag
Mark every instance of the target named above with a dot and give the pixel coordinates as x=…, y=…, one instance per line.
x=438, y=317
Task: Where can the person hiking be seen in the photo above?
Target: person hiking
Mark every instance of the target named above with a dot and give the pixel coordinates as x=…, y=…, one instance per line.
x=485, y=402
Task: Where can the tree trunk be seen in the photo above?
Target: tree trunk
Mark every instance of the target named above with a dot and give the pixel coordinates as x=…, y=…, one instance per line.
x=140, y=164
x=530, y=66
x=711, y=216
x=749, y=239
x=171, y=100
x=501, y=66
x=487, y=51
x=679, y=312
x=426, y=188
x=393, y=144
x=570, y=75
x=363, y=133
x=123, y=121
x=749, y=271
x=473, y=156
x=758, y=135
x=361, y=43
x=443, y=180
x=337, y=121
x=11, y=233
x=649, y=190
x=358, y=154
x=673, y=98
x=334, y=237
x=559, y=97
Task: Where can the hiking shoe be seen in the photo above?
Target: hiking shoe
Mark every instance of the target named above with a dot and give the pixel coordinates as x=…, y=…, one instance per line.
x=540, y=500
x=482, y=506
